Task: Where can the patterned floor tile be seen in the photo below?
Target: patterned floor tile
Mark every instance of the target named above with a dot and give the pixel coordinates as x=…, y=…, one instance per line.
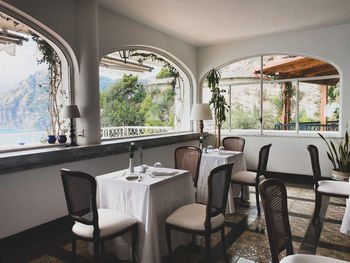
x=331, y=234
x=251, y=246
x=335, y=212
x=333, y=254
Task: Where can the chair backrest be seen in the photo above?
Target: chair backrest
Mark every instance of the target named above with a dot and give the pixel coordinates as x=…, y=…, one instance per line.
x=234, y=144
x=263, y=158
x=315, y=162
x=274, y=199
x=80, y=192
x=218, y=185
x=188, y=158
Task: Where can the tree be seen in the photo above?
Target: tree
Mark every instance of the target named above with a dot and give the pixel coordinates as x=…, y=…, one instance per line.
x=164, y=73
x=120, y=103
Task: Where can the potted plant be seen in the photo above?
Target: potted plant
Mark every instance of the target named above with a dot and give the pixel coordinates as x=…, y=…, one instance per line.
x=340, y=158
x=217, y=101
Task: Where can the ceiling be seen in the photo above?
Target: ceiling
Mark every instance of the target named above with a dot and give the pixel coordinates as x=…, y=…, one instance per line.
x=206, y=22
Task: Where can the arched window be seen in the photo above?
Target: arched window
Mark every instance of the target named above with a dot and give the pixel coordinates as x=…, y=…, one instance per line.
x=34, y=85
x=142, y=93
x=281, y=92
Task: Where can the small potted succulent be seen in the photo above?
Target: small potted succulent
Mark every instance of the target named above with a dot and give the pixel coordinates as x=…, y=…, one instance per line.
x=131, y=149
x=340, y=158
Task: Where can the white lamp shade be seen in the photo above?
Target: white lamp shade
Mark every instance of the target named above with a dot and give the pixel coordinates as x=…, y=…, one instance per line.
x=70, y=111
x=201, y=112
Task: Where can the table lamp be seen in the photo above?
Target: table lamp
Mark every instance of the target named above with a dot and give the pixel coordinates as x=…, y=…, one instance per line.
x=71, y=112
x=199, y=113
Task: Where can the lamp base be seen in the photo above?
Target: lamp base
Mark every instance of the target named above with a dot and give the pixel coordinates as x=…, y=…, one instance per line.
x=72, y=135
x=201, y=126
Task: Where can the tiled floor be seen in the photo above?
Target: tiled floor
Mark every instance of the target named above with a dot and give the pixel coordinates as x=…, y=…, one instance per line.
x=246, y=236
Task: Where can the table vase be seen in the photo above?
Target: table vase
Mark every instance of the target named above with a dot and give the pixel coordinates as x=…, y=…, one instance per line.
x=131, y=165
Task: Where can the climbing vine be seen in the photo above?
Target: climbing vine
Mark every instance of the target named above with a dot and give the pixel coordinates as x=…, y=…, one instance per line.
x=51, y=58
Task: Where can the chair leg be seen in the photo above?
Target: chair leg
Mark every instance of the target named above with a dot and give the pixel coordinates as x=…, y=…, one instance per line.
x=193, y=239
x=74, y=248
x=207, y=247
x=257, y=199
x=168, y=240
x=96, y=249
x=102, y=248
x=134, y=241
x=242, y=192
x=318, y=203
x=223, y=243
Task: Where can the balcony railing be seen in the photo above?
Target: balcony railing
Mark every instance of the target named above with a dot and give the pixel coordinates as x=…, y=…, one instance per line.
x=309, y=126
x=125, y=131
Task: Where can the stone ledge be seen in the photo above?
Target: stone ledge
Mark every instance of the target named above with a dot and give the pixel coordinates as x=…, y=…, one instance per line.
x=37, y=158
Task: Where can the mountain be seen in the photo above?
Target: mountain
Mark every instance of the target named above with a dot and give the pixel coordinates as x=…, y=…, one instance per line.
x=106, y=82
x=25, y=105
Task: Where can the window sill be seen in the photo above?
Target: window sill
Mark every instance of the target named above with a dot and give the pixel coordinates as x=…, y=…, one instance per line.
x=16, y=161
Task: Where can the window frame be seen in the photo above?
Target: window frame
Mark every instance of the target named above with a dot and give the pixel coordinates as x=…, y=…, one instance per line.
x=262, y=81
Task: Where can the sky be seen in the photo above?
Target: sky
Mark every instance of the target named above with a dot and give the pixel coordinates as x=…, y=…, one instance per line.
x=13, y=69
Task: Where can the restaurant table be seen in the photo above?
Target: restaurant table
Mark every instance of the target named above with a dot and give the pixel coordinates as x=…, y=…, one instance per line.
x=150, y=201
x=214, y=158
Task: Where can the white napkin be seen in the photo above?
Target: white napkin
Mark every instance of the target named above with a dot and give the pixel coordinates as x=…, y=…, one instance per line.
x=163, y=173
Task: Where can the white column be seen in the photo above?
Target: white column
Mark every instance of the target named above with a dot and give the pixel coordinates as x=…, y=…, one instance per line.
x=86, y=93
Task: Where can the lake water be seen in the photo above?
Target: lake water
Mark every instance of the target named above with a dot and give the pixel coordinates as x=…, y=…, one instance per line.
x=21, y=137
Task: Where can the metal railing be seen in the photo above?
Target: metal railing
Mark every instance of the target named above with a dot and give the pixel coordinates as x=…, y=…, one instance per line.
x=126, y=131
x=309, y=126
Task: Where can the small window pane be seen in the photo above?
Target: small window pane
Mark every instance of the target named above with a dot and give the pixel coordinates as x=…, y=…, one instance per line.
x=318, y=107
x=279, y=102
x=245, y=107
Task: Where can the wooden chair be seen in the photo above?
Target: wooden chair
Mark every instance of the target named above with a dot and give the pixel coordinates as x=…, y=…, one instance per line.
x=92, y=224
x=234, y=144
x=204, y=219
x=323, y=185
x=188, y=158
x=253, y=178
x=274, y=199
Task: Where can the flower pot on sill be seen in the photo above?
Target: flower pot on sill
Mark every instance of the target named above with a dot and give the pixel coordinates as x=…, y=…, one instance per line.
x=62, y=138
x=51, y=139
x=340, y=176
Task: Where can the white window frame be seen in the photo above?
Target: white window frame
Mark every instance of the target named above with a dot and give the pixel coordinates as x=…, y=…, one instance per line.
x=261, y=81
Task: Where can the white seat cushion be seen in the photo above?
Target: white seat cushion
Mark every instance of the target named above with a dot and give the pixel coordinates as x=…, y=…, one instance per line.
x=109, y=221
x=246, y=177
x=302, y=258
x=334, y=187
x=192, y=217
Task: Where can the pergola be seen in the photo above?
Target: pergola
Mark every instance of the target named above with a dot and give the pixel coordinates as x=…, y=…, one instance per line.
x=307, y=70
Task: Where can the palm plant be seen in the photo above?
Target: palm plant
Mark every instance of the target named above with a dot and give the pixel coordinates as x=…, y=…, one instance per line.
x=341, y=158
x=217, y=101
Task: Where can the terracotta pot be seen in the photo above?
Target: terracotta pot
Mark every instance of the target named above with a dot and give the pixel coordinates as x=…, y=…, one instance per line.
x=340, y=176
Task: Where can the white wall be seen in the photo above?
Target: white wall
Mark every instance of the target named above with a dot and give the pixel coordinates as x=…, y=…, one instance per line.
x=36, y=196
x=331, y=44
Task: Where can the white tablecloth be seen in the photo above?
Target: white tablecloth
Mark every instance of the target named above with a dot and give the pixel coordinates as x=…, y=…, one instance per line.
x=345, y=226
x=215, y=158
x=151, y=201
